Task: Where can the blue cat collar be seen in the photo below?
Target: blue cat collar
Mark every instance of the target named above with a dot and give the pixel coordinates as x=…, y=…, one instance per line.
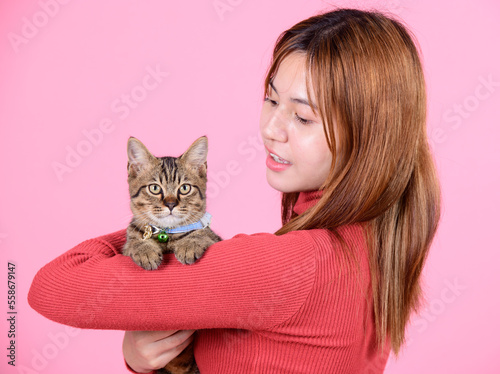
x=201, y=224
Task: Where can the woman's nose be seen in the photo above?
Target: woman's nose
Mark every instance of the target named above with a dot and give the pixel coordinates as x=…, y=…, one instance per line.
x=275, y=127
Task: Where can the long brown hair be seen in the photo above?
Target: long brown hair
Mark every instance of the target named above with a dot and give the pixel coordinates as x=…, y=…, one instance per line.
x=367, y=78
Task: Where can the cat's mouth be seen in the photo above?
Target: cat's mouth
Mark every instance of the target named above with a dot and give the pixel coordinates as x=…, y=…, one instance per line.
x=163, y=215
x=167, y=220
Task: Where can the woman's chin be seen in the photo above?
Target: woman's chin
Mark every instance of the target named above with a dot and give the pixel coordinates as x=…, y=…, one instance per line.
x=278, y=182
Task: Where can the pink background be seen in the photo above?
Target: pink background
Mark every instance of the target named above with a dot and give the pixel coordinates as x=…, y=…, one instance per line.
x=65, y=67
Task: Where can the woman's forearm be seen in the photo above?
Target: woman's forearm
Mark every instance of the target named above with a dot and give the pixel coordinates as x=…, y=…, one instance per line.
x=245, y=282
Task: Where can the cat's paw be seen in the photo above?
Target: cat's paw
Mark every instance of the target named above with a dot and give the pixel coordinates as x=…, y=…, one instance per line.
x=147, y=257
x=149, y=260
x=189, y=254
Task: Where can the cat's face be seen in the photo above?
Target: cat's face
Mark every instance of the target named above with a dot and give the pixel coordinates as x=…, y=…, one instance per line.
x=167, y=191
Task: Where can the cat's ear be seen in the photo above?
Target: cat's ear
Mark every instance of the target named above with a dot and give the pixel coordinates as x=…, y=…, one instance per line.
x=196, y=154
x=139, y=157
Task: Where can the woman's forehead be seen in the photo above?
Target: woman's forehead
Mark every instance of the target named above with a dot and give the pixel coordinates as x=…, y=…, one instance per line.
x=290, y=79
x=290, y=74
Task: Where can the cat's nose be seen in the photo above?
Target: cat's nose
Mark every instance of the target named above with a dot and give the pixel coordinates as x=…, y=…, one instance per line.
x=170, y=203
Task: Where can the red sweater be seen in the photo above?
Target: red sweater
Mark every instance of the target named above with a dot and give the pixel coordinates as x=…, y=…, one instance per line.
x=261, y=303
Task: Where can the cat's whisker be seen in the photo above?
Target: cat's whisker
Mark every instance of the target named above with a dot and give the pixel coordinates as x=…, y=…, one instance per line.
x=141, y=217
x=128, y=217
x=140, y=223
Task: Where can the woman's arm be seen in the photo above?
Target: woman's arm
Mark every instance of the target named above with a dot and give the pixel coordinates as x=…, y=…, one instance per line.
x=249, y=281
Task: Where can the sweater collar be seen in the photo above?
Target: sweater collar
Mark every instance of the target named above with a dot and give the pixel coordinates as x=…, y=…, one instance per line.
x=306, y=200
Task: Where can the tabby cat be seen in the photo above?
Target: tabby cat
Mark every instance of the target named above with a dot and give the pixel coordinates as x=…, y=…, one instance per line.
x=168, y=202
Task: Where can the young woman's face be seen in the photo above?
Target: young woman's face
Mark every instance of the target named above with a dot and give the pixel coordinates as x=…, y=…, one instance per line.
x=298, y=157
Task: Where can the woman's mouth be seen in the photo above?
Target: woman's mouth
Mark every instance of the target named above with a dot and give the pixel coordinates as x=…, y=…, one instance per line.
x=279, y=159
x=275, y=162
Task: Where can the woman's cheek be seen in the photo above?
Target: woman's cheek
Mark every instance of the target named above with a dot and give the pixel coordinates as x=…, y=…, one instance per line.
x=316, y=154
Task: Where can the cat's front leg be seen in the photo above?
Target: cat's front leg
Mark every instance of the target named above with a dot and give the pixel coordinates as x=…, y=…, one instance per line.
x=188, y=250
x=145, y=253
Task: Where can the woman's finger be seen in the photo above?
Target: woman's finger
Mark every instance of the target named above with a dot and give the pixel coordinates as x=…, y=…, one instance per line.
x=152, y=336
x=168, y=356
x=172, y=342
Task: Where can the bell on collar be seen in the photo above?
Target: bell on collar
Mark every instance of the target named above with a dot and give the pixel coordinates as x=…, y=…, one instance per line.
x=163, y=237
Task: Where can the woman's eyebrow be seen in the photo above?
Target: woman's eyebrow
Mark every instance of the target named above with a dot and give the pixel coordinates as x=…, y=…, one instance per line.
x=295, y=99
x=274, y=88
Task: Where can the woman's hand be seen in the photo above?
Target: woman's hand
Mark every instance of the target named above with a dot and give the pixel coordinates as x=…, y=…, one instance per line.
x=145, y=351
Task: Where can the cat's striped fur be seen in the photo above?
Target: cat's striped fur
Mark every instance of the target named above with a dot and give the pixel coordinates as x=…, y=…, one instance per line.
x=168, y=192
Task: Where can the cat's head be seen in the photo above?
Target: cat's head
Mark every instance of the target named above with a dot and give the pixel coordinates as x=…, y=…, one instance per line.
x=167, y=191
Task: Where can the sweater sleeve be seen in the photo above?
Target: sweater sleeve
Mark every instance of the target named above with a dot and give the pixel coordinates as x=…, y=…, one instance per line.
x=248, y=282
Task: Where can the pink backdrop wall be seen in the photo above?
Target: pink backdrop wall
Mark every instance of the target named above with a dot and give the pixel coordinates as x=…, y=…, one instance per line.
x=78, y=78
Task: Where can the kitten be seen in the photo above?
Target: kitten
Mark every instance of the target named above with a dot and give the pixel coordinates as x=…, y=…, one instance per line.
x=167, y=193
x=168, y=201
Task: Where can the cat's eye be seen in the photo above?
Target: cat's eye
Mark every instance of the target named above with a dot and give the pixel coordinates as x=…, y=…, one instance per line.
x=184, y=189
x=155, y=189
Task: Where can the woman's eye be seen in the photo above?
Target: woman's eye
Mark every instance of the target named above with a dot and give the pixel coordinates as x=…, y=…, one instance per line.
x=185, y=188
x=302, y=120
x=272, y=102
x=155, y=189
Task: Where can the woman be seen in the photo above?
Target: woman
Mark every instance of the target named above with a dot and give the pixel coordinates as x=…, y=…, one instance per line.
x=343, y=122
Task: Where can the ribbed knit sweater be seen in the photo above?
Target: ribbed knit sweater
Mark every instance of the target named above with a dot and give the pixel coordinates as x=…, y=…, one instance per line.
x=261, y=303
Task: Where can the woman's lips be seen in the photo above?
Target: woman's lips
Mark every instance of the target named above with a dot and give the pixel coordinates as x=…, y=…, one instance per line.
x=276, y=162
x=277, y=157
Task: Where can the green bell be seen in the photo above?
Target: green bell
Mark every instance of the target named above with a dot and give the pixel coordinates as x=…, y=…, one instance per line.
x=162, y=237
